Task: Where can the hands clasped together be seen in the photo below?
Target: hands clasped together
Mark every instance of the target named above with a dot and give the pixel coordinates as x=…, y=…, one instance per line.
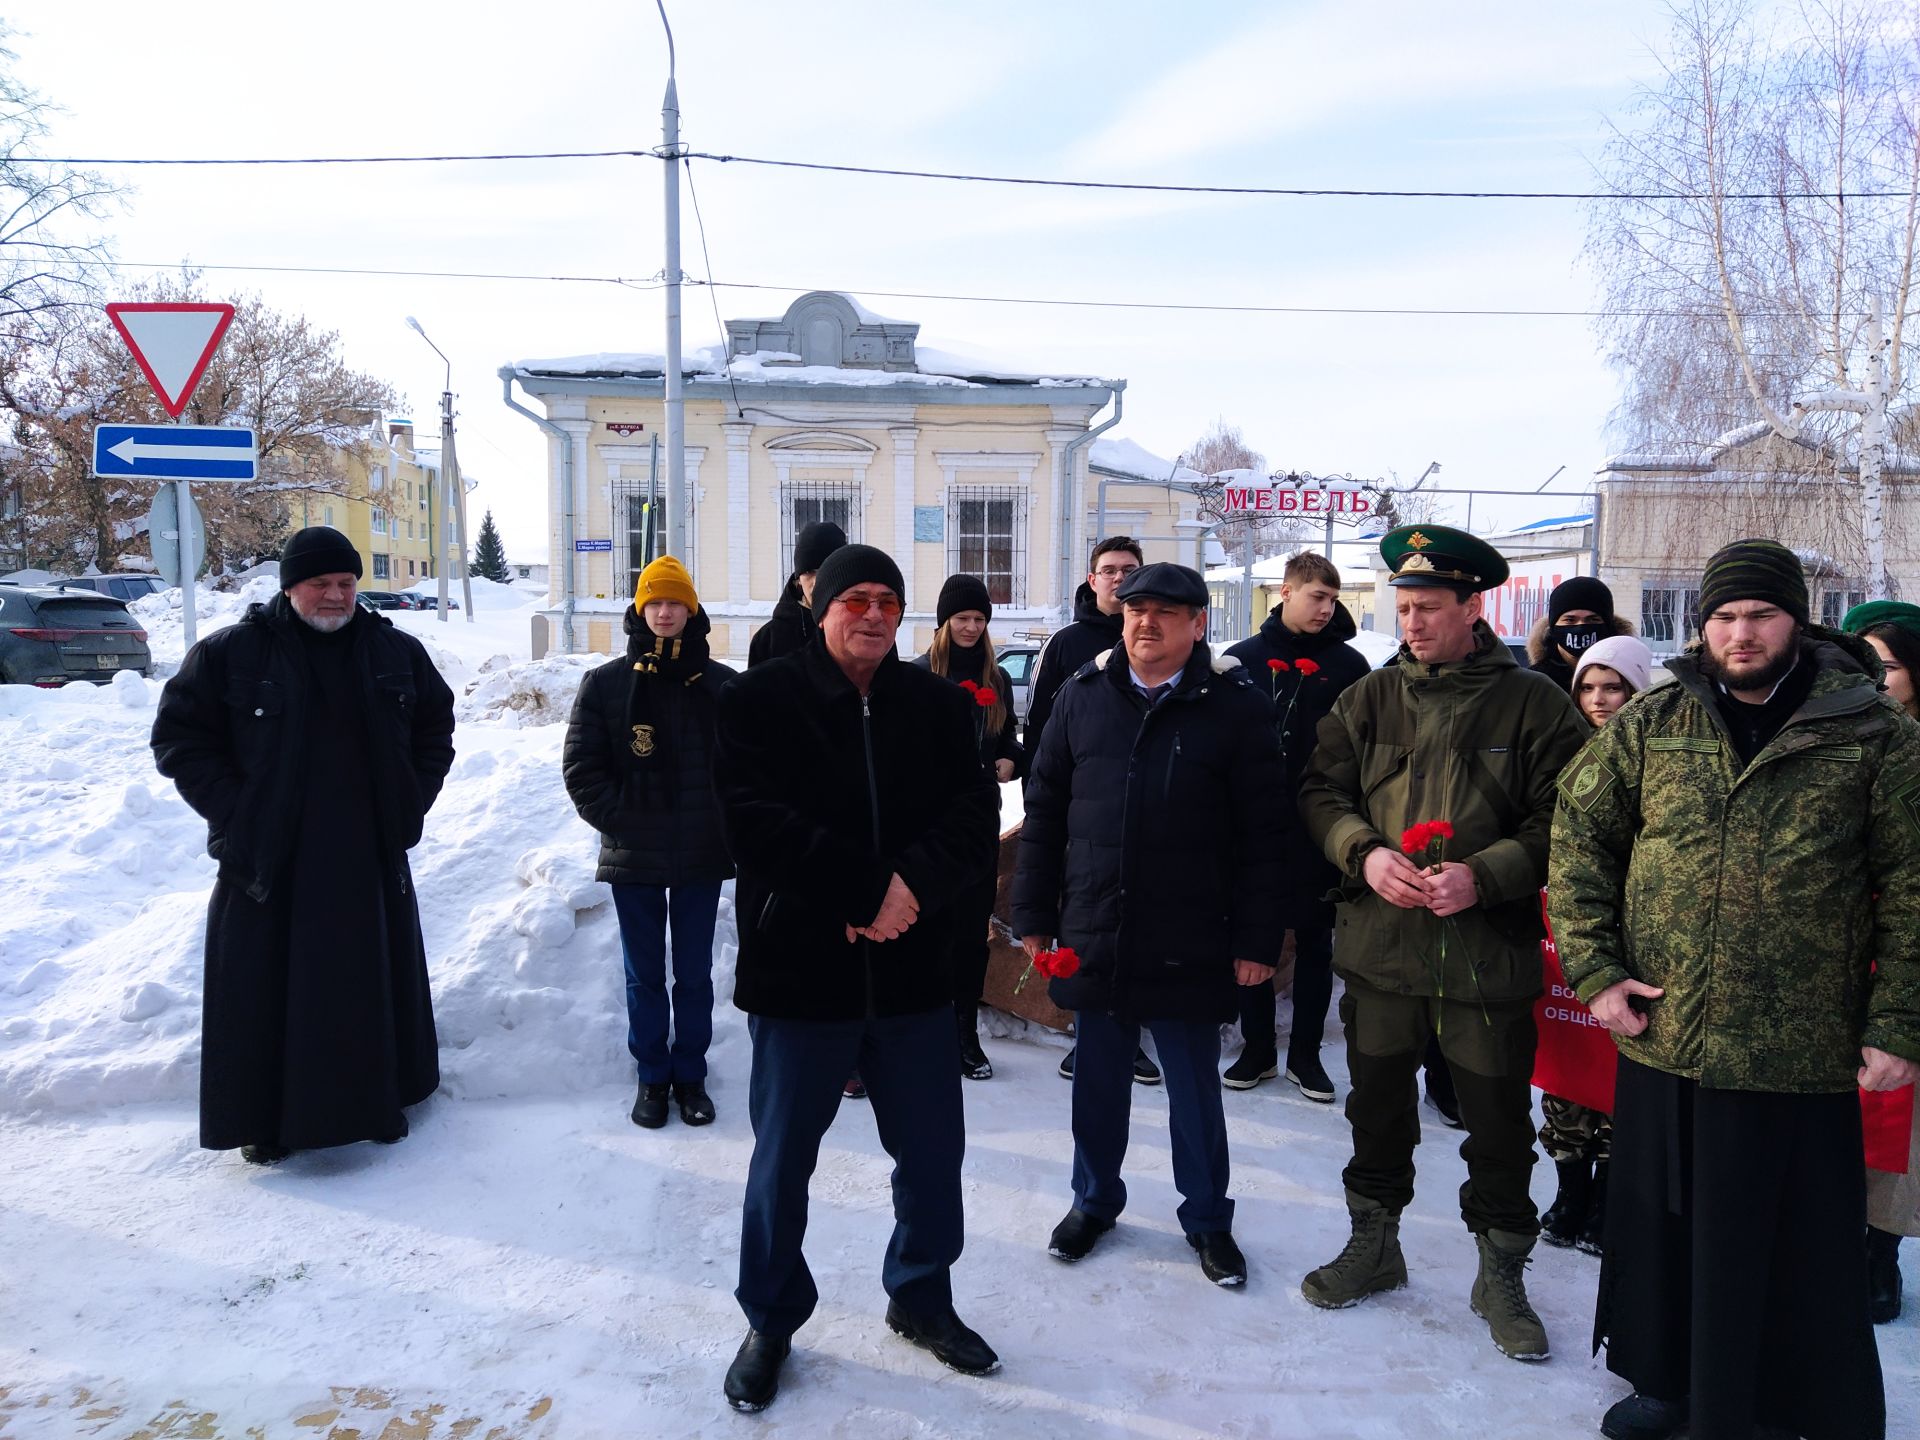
x=897, y=911
x=1445, y=889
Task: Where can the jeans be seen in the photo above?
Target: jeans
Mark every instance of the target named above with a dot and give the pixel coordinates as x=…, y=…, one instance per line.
x=645, y=912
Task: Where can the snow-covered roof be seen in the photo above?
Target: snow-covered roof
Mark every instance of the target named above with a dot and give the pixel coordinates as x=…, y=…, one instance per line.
x=1129, y=457
x=1555, y=523
x=872, y=350
x=782, y=367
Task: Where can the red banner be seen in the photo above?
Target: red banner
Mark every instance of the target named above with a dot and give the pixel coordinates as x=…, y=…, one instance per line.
x=1887, y=1118
x=1576, y=1056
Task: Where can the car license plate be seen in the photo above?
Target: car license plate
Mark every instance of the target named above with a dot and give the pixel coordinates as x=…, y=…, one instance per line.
x=107, y=662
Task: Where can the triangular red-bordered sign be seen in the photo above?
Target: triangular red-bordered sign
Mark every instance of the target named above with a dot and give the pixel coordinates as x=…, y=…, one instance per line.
x=172, y=343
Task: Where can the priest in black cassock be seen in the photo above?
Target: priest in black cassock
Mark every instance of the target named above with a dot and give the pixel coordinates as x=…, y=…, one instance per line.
x=313, y=736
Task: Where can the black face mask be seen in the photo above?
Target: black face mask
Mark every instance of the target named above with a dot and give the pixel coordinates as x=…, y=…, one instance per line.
x=1576, y=638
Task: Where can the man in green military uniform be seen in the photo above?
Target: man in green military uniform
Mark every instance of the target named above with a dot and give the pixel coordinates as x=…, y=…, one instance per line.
x=1442, y=945
x=1736, y=895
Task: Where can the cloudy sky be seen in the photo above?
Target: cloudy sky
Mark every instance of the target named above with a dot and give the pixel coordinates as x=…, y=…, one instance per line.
x=1381, y=94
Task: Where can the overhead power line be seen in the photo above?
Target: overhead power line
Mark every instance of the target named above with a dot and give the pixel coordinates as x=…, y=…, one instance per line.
x=653, y=283
x=1298, y=192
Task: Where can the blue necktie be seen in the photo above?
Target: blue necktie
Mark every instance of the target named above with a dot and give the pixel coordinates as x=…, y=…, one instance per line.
x=1158, y=693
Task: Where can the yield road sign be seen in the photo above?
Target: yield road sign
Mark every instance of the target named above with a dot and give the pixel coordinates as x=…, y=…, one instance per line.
x=172, y=344
x=174, y=452
x=168, y=538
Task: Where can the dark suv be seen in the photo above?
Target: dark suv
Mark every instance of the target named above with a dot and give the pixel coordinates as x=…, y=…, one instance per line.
x=51, y=637
x=120, y=587
x=388, y=600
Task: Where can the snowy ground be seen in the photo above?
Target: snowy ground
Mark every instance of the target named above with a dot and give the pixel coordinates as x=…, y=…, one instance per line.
x=529, y=1264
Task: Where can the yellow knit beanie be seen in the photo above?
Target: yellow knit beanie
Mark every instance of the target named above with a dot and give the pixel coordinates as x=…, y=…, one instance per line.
x=665, y=579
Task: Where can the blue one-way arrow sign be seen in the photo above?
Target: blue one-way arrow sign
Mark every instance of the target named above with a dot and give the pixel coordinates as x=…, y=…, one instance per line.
x=174, y=452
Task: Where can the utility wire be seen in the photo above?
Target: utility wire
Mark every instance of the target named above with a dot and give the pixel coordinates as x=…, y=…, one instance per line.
x=1281, y=191
x=1194, y=306
x=719, y=325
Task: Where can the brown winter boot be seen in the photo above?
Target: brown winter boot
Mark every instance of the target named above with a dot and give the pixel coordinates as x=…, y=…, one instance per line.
x=1500, y=1295
x=1371, y=1263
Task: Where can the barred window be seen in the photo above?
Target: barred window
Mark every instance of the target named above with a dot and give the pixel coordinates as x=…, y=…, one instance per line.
x=1669, y=615
x=987, y=537
x=806, y=502
x=639, y=534
x=1838, y=598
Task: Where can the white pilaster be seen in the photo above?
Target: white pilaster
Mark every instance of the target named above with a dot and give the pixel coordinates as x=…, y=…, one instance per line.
x=739, y=508
x=904, y=437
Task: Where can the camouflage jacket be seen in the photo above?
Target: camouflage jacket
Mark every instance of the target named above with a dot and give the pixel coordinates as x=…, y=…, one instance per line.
x=1477, y=743
x=1748, y=894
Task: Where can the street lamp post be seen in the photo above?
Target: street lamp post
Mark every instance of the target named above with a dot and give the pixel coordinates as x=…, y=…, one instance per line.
x=452, y=488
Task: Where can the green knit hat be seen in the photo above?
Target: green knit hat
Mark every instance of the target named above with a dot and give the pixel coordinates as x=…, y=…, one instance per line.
x=1755, y=570
x=1875, y=613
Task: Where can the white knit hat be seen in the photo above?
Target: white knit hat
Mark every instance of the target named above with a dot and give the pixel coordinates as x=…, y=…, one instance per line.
x=1624, y=655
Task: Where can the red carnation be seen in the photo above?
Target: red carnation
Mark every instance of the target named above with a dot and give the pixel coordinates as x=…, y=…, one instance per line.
x=973, y=685
x=985, y=696
x=1064, y=962
x=1307, y=667
x=1426, y=835
x=1278, y=665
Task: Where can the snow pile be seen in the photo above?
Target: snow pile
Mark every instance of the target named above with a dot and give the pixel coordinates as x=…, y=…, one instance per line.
x=107, y=881
x=529, y=692
x=213, y=610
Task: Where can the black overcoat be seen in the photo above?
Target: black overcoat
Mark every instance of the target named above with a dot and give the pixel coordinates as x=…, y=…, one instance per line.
x=1153, y=841
x=824, y=796
x=654, y=830
x=789, y=627
x=318, y=1023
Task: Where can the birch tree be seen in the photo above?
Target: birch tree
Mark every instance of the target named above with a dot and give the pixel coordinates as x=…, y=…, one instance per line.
x=1757, y=248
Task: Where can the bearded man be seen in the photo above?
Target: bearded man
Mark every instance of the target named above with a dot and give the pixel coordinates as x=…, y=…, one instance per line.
x=313, y=737
x=1735, y=889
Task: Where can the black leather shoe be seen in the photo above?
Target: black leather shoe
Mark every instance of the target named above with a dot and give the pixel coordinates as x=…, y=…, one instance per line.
x=650, y=1105
x=949, y=1340
x=696, y=1106
x=1220, y=1257
x=1641, y=1417
x=264, y=1154
x=754, y=1377
x=1074, y=1236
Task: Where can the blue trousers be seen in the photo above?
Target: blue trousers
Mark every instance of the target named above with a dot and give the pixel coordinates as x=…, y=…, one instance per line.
x=645, y=913
x=1102, y=1103
x=911, y=1065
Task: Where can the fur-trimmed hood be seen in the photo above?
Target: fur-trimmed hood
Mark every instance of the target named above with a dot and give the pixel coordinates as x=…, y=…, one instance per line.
x=1537, y=637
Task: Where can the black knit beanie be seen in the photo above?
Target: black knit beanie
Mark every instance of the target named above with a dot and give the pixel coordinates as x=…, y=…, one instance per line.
x=317, y=550
x=1582, y=592
x=853, y=565
x=1755, y=570
x=814, y=544
x=962, y=592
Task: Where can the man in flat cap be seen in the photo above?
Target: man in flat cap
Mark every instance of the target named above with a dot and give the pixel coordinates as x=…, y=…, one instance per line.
x=313, y=737
x=1156, y=816
x=1443, y=941
x=1736, y=897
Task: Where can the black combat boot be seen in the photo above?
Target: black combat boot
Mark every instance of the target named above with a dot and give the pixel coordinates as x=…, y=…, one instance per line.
x=1593, y=1234
x=1883, y=1276
x=1562, y=1223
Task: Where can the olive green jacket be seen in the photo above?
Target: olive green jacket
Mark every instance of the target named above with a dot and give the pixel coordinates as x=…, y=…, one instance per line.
x=1477, y=743
x=1748, y=894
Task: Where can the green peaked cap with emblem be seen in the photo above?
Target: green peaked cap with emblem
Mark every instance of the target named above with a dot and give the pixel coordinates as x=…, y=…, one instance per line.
x=1440, y=555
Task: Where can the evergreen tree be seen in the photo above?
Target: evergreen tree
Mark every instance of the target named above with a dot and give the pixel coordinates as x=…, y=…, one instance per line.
x=489, y=555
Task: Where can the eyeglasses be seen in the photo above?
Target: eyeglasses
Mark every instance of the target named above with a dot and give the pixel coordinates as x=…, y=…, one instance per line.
x=1115, y=572
x=859, y=604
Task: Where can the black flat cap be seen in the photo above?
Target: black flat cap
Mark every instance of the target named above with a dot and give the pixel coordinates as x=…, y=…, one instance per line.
x=1164, y=580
